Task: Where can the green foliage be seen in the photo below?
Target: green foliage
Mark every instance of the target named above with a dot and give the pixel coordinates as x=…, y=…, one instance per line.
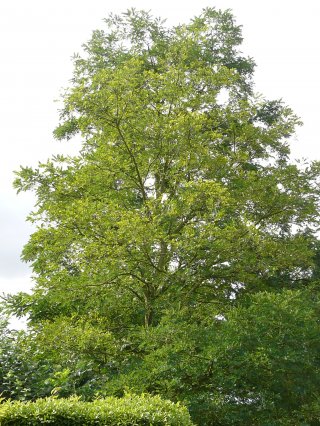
x=23, y=369
x=129, y=410
x=258, y=365
x=266, y=356
x=175, y=194
x=182, y=208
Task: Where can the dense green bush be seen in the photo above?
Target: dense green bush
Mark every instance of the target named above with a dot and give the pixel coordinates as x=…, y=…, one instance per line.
x=259, y=366
x=129, y=410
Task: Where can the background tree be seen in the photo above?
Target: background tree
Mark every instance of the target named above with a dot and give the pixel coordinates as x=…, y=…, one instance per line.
x=258, y=365
x=182, y=199
x=23, y=369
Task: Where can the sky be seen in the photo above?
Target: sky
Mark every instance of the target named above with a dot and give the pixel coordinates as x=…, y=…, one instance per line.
x=38, y=39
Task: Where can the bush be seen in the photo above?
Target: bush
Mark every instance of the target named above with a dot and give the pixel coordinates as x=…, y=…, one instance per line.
x=129, y=410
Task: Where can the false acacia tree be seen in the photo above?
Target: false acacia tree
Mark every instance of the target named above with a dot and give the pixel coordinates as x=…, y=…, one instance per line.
x=182, y=196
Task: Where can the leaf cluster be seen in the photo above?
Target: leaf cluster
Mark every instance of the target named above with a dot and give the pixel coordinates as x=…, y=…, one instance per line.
x=129, y=410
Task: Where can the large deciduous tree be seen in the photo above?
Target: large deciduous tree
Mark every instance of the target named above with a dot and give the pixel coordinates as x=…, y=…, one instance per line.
x=182, y=198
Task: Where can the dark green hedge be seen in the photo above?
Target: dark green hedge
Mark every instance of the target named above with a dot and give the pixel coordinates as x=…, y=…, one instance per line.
x=129, y=410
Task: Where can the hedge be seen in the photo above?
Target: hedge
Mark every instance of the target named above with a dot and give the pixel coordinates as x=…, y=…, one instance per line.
x=130, y=410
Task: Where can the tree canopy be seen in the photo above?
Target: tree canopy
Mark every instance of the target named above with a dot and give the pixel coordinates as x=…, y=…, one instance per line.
x=162, y=246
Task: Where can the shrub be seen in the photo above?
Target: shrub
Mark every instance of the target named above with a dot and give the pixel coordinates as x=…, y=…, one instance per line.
x=129, y=410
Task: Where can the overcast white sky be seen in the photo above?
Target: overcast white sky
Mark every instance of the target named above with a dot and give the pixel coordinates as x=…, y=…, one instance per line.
x=38, y=38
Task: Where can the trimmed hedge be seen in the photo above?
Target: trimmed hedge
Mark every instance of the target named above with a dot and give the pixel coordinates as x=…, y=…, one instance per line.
x=130, y=410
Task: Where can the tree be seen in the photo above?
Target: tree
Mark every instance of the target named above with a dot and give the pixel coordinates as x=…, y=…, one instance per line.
x=258, y=365
x=23, y=371
x=182, y=197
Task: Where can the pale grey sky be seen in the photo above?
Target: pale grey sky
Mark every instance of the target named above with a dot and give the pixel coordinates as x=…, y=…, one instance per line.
x=39, y=37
